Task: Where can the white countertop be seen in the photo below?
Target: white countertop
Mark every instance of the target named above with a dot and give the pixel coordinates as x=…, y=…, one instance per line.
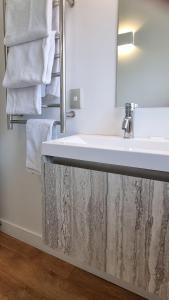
x=151, y=154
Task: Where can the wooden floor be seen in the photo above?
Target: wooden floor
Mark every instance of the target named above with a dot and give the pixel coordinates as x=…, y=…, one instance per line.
x=27, y=273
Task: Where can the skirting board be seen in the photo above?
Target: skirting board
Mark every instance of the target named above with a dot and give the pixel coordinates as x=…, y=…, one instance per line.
x=34, y=239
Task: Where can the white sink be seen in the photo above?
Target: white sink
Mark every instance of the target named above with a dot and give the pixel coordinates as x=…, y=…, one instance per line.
x=151, y=154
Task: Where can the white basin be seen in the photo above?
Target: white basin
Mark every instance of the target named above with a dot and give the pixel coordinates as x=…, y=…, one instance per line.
x=151, y=154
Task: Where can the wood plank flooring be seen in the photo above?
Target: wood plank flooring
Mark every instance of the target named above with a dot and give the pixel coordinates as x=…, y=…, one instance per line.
x=27, y=273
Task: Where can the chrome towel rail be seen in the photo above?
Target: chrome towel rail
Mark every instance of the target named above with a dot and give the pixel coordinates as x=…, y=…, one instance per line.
x=20, y=122
x=70, y=114
x=62, y=67
x=51, y=105
x=11, y=119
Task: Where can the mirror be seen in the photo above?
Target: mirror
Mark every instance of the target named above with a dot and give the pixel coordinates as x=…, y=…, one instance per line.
x=143, y=53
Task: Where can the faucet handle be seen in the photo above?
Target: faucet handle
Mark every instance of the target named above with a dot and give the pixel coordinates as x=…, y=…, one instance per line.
x=131, y=106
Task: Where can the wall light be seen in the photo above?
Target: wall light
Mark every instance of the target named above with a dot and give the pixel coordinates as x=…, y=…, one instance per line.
x=125, y=42
x=126, y=38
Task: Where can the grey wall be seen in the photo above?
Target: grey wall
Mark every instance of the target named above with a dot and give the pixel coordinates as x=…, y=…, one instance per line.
x=143, y=74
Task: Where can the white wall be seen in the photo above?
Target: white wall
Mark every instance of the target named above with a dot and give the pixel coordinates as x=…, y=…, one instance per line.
x=91, y=28
x=19, y=191
x=92, y=60
x=91, y=49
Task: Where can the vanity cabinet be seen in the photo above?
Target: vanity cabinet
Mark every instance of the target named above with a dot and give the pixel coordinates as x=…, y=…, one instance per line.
x=113, y=223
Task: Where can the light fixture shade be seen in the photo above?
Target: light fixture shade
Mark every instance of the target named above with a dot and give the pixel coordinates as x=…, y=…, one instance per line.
x=126, y=38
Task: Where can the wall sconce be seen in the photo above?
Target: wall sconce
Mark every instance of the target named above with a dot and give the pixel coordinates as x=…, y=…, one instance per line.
x=125, y=42
x=125, y=39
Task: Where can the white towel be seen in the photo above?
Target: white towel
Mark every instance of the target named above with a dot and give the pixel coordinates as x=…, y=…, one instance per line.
x=55, y=17
x=31, y=63
x=27, y=20
x=51, y=92
x=38, y=131
x=26, y=101
x=53, y=89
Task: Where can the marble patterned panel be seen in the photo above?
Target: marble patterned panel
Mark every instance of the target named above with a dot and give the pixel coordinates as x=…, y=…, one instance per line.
x=75, y=213
x=89, y=217
x=138, y=233
x=49, y=208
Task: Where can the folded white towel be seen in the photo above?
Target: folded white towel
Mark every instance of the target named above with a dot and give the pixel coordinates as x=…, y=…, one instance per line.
x=27, y=20
x=31, y=63
x=38, y=131
x=27, y=101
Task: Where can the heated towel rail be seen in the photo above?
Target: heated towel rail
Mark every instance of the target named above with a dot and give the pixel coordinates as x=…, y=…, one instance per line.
x=11, y=119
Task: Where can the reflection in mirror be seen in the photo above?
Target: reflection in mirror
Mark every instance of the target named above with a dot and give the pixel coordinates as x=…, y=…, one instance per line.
x=143, y=53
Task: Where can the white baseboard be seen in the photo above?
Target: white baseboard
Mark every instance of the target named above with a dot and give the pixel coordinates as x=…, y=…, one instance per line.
x=34, y=239
x=21, y=233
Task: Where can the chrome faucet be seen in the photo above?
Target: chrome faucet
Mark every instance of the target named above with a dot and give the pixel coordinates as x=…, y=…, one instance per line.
x=127, y=125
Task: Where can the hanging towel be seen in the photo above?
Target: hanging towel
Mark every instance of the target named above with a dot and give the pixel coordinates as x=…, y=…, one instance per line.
x=26, y=101
x=53, y=89
x=55, y=16
x=31, y=63
x=51, y=92
x=37, y=131
x=43, y=90
x=27, y=20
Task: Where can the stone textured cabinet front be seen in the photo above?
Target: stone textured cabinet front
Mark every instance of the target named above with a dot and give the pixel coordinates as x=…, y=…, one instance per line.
x=113, y=223
x=138, y=233
x=75, y=213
